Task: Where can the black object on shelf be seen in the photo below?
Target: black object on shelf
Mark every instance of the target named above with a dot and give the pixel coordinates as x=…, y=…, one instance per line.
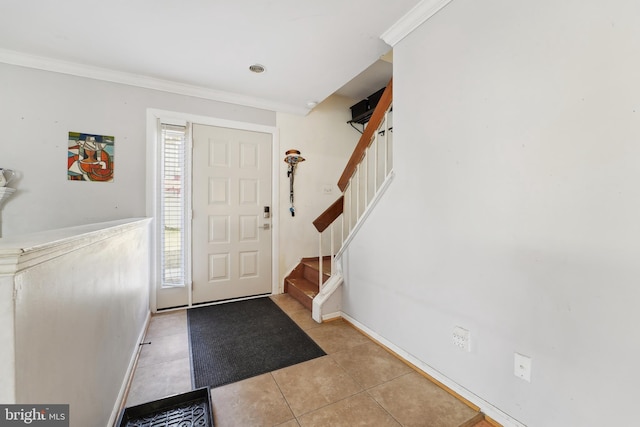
x=361, y=112
x=374, y=98
x=359, y=109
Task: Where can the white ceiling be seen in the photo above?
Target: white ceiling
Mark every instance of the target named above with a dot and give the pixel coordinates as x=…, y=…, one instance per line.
x=310, y=48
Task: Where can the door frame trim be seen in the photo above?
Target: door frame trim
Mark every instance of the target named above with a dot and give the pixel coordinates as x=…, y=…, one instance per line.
x=153, y=115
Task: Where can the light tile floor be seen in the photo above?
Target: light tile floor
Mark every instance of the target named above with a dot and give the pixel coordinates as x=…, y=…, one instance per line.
x=357, y=383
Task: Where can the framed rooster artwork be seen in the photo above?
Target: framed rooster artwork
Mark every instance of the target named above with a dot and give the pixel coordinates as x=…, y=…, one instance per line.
x=90, y=157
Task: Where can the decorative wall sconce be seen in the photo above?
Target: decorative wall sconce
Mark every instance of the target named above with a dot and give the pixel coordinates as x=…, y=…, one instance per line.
x=6, y=176
x=292, y=158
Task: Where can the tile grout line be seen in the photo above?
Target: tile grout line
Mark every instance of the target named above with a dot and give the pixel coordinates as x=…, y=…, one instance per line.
x=382, y=407
x=284, y=397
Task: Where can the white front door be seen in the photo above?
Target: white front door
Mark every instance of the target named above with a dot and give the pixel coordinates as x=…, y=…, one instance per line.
x=231, y=245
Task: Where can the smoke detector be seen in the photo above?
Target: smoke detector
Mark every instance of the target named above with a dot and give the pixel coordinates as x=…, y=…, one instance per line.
x=256, y=68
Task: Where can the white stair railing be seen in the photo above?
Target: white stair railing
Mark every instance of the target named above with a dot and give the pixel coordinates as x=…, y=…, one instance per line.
x=364, y=188
x=366, y=177
x=370, y=175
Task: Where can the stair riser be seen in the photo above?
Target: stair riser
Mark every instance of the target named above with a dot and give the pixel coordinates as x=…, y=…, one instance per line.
x=299, y=295
x=313, y=275
x=302, y=282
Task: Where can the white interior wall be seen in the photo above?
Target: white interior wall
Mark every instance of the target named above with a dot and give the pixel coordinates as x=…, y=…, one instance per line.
x=326, y=141
x=40, y=108
x=514, y=212
x=79, y=307
x=7, y=335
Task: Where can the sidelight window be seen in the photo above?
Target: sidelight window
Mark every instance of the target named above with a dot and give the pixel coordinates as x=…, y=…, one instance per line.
x=174, y=218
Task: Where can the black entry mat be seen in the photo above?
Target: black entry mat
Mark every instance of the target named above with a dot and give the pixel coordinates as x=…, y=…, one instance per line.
x=238, y=340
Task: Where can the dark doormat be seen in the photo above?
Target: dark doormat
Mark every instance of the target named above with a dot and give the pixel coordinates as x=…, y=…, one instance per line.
x=238, y=340
x=187, y=409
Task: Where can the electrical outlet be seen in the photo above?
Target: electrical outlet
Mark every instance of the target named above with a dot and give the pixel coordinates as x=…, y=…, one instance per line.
x=522, y=366
x=461, y=338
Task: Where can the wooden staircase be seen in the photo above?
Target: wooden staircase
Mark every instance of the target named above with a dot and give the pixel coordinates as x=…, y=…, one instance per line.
x=361, y=189
x=303, y=282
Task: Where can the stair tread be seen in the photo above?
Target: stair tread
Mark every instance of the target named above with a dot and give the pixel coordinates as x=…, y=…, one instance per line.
x=304, y=285
x=315, y=264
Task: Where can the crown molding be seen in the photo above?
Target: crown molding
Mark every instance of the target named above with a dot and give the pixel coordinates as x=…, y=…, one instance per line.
x=97, y=73
x=412, y=20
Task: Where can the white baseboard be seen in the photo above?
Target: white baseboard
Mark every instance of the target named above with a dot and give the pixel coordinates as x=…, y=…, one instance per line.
x=485, y=407
x=120, y=402
x=331, y=316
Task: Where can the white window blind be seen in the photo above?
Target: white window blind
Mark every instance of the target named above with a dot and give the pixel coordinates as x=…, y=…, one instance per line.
x=173, y=205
